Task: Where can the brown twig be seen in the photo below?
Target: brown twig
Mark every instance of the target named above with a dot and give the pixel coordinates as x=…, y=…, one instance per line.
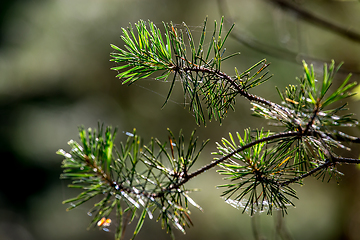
x=220, y=160
x=328, y=163
x=316, y=20
x=280, y=53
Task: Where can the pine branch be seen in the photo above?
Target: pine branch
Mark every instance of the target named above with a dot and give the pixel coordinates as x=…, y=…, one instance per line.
x=201, y=76
x=134, y=179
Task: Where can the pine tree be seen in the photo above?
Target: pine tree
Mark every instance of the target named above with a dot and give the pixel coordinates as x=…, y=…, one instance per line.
x=260, y=167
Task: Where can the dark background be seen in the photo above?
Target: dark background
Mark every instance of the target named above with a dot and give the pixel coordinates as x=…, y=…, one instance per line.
x=55, y=75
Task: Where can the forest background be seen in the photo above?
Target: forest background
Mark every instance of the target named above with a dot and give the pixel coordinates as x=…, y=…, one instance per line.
x=55, y=75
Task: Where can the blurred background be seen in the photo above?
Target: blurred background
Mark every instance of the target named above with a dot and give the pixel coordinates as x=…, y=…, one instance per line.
x=55, y=76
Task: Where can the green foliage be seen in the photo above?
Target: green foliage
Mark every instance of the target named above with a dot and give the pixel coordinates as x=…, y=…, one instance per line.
x=306, y=108
x=137, y=180
x=255, y=173
x=132, y=180
x=145, y=54
x=198, y=69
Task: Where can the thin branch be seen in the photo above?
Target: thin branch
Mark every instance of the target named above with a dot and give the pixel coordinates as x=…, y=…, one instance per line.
x=325, y=165
x=280, y=53
x=316, y=20
x=222, y=75
x=328, y=163
x=311, y=121
x=253, y=43
x=105, y=177
x=347, y=160
x=220, y=160
x=343, y=137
